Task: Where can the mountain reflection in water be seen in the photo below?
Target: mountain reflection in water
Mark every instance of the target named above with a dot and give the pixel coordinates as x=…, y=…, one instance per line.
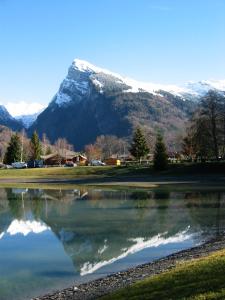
x=49, y=238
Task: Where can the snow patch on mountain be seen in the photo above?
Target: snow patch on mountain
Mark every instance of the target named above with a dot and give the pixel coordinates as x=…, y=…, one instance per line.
x=28, y=120
x=98, y=84
x=84, y=66
x=202, y=87
x=62, y=98
x=81, y=86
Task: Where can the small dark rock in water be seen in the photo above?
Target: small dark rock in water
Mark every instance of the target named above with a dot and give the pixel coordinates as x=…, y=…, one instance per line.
x=103, y=286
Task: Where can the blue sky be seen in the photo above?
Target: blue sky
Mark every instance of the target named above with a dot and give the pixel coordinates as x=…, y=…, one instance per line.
x=161, y=41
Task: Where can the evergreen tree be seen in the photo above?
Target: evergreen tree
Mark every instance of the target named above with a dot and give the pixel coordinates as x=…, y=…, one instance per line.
x=139, y=147
x=35, y=146
x=13, y=152
x=160, y=155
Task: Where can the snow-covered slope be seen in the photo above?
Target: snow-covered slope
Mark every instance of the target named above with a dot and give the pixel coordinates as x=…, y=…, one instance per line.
x=82, y=76
x=202, y=87
x=28, y=120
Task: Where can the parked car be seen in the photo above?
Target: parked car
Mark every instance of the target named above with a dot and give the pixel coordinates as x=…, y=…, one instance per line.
x=4, y=166
x=70, y=164
x=19, y=165
x=8, y=167
x=96, y=162
x=37, y=163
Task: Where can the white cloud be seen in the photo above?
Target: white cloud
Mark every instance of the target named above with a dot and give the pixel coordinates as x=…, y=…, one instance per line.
x=23, y=108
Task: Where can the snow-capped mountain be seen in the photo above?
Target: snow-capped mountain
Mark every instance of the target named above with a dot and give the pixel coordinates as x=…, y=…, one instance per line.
x=28, y=120
x=92, y=101
x=202, y=87
x=82, y=75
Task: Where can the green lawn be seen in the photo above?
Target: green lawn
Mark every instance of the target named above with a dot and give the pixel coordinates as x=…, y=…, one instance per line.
x=200, y=279
x=55, y=172
x=177, y=170
x=62, y=172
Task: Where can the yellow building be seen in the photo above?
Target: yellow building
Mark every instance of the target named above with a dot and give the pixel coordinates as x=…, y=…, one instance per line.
x=113, y=162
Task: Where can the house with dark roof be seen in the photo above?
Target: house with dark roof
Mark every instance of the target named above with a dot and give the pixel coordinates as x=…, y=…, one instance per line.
x=63, y=156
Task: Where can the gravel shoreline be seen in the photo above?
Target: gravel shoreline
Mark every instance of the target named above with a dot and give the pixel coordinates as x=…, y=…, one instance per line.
x=103, y=286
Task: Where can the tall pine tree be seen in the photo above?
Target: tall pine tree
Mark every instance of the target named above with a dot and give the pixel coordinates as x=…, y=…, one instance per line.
x=160, y=155
x=139, y=147
x=35, y=147
x=13, y=152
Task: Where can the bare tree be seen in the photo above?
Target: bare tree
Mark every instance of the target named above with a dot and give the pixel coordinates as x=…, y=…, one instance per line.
x=62, y=147
x=5, y=136
x=93, y=152
x=45, y=143
x=210, y=111
x=111, y=145
x=206, y=132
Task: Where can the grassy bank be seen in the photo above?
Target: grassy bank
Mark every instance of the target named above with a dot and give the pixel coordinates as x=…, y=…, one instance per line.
x=199, y=279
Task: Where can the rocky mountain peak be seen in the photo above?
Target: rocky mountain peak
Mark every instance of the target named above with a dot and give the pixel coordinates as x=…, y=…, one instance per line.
x=83, y=76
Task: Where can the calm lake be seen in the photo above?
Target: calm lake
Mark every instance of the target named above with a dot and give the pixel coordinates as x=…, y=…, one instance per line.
x=51, y=239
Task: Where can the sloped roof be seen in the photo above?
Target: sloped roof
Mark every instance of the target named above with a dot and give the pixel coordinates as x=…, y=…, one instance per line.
x=67, y=154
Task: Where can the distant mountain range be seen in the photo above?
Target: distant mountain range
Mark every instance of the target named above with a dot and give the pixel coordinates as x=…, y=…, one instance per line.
x=28, y=120
x=92, y=101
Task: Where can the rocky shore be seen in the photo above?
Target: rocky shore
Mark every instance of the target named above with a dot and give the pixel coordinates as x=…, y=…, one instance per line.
x=100, y=287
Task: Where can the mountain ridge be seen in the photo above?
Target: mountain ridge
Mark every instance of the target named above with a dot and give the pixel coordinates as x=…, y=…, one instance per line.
x=7, y=120
x=92, y=101
x=193, y=88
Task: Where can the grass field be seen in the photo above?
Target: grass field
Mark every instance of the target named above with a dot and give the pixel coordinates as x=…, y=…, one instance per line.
x=56, y=172
x=197, y=280
x=176, y=170
x=67, y=173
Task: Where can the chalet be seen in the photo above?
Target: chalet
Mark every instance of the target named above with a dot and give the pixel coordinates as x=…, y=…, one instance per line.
x=63, y=156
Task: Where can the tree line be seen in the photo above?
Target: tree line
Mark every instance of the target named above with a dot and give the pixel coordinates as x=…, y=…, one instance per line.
x=17, y=149
x=21, y=148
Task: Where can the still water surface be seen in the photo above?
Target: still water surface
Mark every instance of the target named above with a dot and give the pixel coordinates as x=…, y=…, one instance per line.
x=50, y=239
